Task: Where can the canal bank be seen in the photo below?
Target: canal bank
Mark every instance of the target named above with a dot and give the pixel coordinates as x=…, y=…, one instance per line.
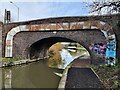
x=80, y=62
x=82, y=78
x=78, y=75
x=106, y=74
x=63, y=79
x=75, y=77
x=19, y=62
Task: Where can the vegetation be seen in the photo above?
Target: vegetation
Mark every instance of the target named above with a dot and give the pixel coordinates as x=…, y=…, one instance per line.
x=55, y=59
x=9, y=61
x=118, y=24
x=54, y=55
x=109, y=75
x=14, y=59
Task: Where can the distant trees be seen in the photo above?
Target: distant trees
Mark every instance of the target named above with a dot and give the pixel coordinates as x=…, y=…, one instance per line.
x=54, y=55
x=105, y=6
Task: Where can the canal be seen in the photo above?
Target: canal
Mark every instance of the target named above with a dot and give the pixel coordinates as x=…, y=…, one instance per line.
x=33, y=75
x=37, y=74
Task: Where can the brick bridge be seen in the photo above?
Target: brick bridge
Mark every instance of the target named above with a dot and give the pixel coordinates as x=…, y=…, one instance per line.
x=31, y=39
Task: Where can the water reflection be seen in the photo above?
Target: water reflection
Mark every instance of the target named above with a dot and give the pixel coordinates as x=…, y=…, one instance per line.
x=38, y=74
x=34, y=75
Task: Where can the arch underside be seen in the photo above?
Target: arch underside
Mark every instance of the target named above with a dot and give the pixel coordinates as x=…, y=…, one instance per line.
x=41, y=47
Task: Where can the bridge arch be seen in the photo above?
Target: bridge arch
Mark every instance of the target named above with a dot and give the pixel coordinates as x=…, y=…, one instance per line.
x=89, y=24
x=41, y=47
x=39, y=42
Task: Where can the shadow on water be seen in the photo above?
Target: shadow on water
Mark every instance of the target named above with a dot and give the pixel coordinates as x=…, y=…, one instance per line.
x=33, y=75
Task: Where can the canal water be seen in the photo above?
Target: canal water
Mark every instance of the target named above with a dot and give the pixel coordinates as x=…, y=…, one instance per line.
x=36, y=74
x=33, y=75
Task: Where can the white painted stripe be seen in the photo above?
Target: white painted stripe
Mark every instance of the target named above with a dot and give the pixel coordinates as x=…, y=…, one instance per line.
x=80, y=22
x=94, y=27
x=86, y=27
x=103, y=23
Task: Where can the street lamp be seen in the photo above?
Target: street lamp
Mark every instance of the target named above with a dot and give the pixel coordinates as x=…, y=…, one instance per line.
x=17, y=8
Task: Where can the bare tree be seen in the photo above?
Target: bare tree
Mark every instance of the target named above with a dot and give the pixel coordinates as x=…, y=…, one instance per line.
x=105, y=6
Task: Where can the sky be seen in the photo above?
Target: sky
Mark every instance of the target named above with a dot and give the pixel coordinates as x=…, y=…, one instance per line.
x=38, y=9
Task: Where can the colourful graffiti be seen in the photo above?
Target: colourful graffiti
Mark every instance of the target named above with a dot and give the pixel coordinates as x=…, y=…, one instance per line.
x=111, y=53
x=98, y=48
x=108, y=51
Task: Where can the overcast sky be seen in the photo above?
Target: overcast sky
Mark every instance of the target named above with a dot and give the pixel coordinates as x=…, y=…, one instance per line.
x=37, y=9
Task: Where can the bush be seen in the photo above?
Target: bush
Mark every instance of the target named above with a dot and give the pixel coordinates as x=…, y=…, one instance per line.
x=10, y=60
x=116, y=84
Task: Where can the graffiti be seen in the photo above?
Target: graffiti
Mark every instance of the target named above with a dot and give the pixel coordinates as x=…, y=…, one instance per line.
x=108, y=51
x=98, y=48
x=111, y=53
